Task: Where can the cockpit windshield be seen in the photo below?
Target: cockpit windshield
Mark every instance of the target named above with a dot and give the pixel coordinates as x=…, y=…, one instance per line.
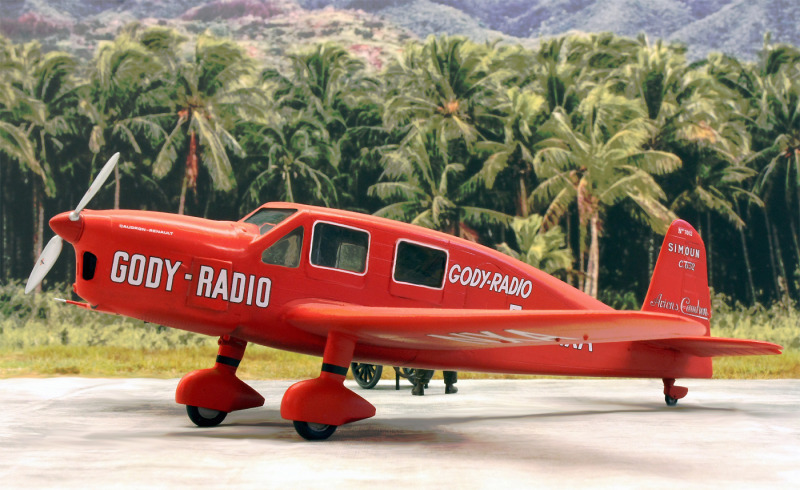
x=267, y=218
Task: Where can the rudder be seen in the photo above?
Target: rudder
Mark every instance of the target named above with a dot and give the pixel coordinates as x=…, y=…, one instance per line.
x=680, y=278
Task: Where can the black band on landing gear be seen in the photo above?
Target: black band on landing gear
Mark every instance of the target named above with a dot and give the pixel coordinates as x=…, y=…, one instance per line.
x=228, y=361
x=334, y=369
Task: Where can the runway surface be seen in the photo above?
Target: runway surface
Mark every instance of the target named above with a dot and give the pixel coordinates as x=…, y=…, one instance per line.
x=125, y=433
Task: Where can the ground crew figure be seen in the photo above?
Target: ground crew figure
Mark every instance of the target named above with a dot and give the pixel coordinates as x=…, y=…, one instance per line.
x=423, y=376
x=450, y=379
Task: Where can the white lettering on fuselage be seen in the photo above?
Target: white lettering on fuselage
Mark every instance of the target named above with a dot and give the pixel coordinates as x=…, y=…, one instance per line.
x=133, y=269
x=156, y=272
x=239, y=288
x=148, y=230
x=497, y=282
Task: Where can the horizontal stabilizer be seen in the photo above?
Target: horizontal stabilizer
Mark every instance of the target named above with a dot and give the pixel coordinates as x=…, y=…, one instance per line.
x=717, y=347
x=437, y=329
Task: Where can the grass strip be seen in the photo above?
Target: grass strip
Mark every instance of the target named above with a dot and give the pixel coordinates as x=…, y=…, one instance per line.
x=265, y=363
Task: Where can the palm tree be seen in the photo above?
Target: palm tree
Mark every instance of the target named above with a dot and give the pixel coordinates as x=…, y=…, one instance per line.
x=779, y=180
x=545, y=250
x=598, y=162
x=40, y=88
x=329, y=84
x=328, y=81
x=212, y=89
x=767, y=104
x=440, y=87
x=16, y=145
x=523, y=113
x=424, y=186
x=296, y=171
x=124, y=97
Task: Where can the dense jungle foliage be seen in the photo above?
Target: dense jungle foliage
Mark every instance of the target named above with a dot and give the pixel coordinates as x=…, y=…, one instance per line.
x=574, y=156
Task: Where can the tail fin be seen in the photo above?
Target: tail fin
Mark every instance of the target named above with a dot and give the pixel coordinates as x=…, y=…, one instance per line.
x=680, y=279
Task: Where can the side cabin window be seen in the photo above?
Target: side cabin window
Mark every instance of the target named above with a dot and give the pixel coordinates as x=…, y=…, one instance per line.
x=286, y=251
x=267, y=218
x=339, y=247
x=418, y=264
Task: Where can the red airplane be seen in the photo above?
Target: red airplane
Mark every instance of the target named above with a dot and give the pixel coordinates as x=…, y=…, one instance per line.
x=354, y=287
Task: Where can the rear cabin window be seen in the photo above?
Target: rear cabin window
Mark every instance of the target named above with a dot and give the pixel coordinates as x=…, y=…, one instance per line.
x=420, y=265
x=267, y=218
x=339, y=247
x=286, y=251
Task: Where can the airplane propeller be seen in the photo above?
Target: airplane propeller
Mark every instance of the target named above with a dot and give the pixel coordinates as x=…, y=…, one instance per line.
x=51, y=252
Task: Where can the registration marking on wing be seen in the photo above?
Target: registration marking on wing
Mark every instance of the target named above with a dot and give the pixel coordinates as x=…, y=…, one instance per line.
x=508, y=337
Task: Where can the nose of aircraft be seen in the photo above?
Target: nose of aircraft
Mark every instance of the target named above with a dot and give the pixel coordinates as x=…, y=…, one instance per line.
x=66, y=228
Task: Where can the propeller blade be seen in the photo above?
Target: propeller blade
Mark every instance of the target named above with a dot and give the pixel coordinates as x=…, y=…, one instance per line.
x=44, y=263
x=96, y=185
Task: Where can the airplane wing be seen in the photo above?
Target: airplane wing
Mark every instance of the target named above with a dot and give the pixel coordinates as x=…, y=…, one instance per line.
x=717, y=346
x=435, y=328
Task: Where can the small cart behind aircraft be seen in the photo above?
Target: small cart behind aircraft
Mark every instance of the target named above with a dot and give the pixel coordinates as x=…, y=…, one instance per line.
x=368, y=375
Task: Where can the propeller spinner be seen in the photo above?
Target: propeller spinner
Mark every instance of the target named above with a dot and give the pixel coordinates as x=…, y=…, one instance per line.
x=51, y=252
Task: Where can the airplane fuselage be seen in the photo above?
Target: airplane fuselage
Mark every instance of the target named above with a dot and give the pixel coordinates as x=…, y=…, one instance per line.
x=238, y=279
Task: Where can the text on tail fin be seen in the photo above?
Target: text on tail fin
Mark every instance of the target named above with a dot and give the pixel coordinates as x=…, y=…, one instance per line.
x=680, y=278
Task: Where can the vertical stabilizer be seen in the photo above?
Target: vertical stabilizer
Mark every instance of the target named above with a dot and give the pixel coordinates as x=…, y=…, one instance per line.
x=680, y=279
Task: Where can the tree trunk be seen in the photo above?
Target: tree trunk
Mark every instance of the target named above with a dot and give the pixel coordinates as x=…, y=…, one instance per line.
x=783, y=281
x=772, y=254
x=38, y=225
x=116, y=186
x=796, y=244
x=581, y=255
x=568, y=217
x=523, y=197
x=709, y=251
x=182, y=201
x=747, y=265
x=190, y=172
x=593, y=266
x=4, y=277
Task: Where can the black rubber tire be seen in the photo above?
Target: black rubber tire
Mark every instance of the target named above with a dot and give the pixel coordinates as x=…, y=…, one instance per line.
x=314, y=432
x=366, y=375
x=671, y=402
x=201, y=419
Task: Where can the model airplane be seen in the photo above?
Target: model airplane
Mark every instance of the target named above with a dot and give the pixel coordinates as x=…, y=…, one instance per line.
x=353, y=287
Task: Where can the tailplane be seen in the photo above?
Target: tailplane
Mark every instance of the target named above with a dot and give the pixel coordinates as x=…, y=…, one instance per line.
x=680, y=278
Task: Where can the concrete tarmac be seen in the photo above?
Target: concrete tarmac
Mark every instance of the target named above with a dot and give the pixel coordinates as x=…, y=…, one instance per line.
x=129, y=433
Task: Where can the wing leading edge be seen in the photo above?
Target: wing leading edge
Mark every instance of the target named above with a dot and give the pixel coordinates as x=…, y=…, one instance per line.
x=433, y=328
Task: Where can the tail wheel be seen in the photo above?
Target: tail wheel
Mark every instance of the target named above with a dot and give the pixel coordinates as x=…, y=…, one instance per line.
x=671, y=402
x=205, y=417
x=314, y=432
x=366, y=375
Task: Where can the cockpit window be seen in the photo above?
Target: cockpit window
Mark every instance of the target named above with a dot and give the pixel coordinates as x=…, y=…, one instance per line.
x=339, y=247
x=267, y=218
x=286, y=251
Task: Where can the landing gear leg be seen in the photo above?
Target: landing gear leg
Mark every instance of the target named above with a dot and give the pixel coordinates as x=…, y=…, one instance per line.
x=210, y=394
x=673, y=393
x=318, y=406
